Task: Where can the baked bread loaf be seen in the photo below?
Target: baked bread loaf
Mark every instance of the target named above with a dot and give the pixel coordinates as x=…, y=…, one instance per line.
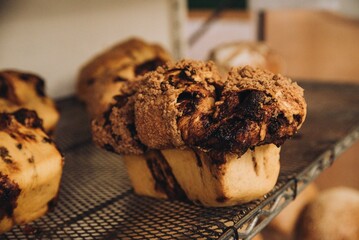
x=196, y=176
x=27, y=90
x=188, y=121
x=333, y=214
x=105, y=75
x=30, y=169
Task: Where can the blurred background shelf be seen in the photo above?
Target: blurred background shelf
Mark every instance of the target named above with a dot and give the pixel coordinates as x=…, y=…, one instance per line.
x=97, y=202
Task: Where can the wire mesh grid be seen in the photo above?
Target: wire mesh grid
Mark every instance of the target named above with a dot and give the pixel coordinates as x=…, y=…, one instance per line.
x=97, y=202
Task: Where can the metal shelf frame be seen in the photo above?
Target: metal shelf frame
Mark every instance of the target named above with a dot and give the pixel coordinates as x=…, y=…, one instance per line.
x=248, y=227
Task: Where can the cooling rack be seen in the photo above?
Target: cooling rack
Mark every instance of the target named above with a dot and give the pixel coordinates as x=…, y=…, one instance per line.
x=97, y=202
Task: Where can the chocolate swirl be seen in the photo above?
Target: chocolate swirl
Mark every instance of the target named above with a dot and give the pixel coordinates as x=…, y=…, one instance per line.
x=114, y=130
x=8, y=80
x=187, y=105
x=20, y=89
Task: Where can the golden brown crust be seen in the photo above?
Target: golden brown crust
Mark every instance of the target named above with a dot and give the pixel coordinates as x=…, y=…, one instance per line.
x=191, y=106
x=103, y=76
x=30, y=169
x=165, y=97
x=187, y=104
x=115, y=130
x=26, y=90
x=286, y=93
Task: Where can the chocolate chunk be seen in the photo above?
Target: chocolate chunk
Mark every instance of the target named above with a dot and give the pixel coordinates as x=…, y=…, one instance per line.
x=185, y=75
x=119, y=79
x=38, y=81
x=188, y=102
x=150, y=65
x=109, y=147
x=236, y=125
x=31, y=159
x=116, y=137
x=47, y=140
x=3, y=87
x=255, y=164
x=132, y=129
x=7, y=90
x=198, y=159
x=297, y=118
x=222, y=199
x=28, y=118
x=40, y=87
x=9, y=192
x=162, y=173
x=52, y=203
x=32, y=230
x=217, y=157
x=4, y=152
x=90, y=81
x=25, y=76
x=218, y=91
x=121, y=100
x=5, y=156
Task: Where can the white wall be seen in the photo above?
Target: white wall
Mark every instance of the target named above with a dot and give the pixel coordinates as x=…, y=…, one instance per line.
x=222, y=31
x=54, y=38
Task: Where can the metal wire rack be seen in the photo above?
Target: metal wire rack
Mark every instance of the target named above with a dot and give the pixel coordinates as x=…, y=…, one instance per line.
x=97, y=202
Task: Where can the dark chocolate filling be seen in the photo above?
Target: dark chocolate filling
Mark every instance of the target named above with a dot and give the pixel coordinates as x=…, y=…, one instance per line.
x=3, y=87
x=164, y=178
x=40, y=87
x=5, y=121
x=28, y=118
x=39, y=82
x=119, y=79
x=90, y=81
x=52, y=203
x=7, y=90
x=198, y=159
x=235, y=124
x=148, y=66
x=188, y=102
x=5, y=156
x=19, y=146
x=9, y=192
x=47, y=140
x=120, y=102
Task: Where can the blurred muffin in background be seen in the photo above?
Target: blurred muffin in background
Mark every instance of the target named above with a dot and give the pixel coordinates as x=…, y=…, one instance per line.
x=102, y=77
x=21, y=89
x=255, y=54
x=333, y=214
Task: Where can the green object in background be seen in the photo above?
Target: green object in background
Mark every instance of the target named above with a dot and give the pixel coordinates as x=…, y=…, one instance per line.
x=212, y=4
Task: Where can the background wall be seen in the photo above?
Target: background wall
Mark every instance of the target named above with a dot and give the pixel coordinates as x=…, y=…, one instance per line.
x=315, y=45
x=54, y=38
